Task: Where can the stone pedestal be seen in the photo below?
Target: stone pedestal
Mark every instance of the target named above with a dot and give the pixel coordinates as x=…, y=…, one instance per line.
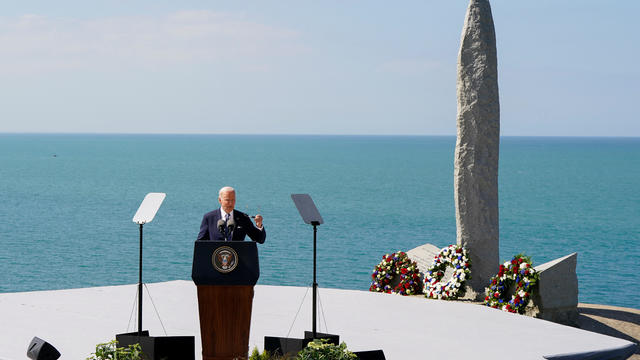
x=423, y=256
x=557, y=296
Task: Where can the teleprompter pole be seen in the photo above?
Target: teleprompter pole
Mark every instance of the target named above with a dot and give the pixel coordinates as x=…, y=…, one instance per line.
x=311, y=216
x=315, y=284
x=144, y=215
x=140, y=287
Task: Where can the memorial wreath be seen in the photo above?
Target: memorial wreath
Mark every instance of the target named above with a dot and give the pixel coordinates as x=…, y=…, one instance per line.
x=518, y=271
x=454, y=256
x=391, y=266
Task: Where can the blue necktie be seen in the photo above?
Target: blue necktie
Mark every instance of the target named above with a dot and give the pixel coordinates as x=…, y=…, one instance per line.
x=226, y=229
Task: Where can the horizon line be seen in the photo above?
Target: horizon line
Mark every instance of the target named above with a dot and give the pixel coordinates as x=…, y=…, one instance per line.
x=304, y=134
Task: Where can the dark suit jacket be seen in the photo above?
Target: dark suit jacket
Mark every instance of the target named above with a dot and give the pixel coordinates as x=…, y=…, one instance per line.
x=244, y=226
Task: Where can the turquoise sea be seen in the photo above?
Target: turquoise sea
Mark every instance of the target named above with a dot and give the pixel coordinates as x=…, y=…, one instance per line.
x=66, y=204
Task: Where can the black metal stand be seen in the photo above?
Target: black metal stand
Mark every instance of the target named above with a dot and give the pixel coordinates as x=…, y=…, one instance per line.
x=315, y=283
x=140, y=287
x=283, y=345
x=156, y=347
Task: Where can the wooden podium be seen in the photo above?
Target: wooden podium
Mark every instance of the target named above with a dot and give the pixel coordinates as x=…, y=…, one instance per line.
x=224, y=273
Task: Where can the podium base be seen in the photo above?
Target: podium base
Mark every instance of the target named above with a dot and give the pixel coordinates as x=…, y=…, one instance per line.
x=160, y=347
x=225, y=320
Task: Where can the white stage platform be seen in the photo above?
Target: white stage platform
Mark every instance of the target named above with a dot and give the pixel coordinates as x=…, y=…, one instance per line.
x=75, y=320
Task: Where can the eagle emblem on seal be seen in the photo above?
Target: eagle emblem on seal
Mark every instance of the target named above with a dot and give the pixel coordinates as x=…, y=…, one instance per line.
x=224, y=259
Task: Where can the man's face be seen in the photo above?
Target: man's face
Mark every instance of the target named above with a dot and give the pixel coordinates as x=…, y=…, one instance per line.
x=227, y=201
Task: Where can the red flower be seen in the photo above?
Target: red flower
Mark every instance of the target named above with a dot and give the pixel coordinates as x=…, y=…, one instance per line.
x=458, y=250
x=404, y=270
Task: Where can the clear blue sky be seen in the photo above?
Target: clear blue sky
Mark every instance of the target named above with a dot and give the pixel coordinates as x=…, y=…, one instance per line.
x=566, y=68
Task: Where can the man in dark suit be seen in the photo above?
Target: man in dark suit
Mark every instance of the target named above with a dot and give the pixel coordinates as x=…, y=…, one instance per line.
x=212, y=228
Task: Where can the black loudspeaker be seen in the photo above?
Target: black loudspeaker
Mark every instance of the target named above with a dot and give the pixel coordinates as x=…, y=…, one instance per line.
x=41, y=350
x=370, y=355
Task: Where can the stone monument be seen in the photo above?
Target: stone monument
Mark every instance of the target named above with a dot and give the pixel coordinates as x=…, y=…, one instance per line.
x=477, y=146
x=476, y=178
x=557, y=296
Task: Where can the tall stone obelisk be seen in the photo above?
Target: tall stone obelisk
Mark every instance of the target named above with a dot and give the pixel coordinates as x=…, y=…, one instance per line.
x=477, y=146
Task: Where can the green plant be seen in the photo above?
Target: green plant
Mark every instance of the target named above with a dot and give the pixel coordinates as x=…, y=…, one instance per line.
x=110, y=351
x=255, y=355
x=319, y=349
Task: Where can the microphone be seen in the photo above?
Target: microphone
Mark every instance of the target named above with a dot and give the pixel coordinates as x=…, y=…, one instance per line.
x=231, y=224
x=221, y=226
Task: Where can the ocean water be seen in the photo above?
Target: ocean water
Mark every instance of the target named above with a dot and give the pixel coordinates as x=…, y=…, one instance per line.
x=66, y=204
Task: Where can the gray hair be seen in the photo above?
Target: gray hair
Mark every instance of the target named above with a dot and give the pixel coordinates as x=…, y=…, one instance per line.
x=226, y=189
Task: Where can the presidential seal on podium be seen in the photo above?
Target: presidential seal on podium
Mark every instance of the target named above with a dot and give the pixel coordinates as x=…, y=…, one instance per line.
x=224, y=259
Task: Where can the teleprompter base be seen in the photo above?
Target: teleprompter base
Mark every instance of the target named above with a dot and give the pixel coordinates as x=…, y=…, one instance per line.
x=160, y=347
x=370, y=355
x=282, y=345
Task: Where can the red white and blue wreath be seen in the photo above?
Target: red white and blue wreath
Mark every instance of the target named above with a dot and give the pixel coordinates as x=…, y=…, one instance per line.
x=518, y=271
x=391, y=266
x=454, y=256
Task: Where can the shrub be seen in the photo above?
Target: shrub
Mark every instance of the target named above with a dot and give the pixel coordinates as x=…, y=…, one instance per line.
x=255, y=355
x=110, y=351
x=319, y=349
